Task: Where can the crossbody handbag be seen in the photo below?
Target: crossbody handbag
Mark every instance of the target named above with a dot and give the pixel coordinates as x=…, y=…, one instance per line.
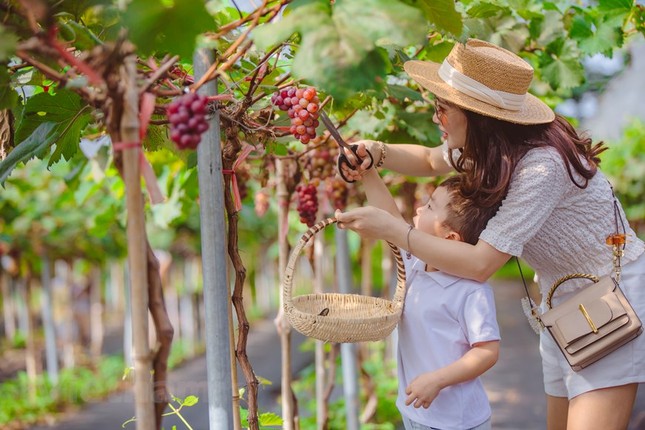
x=596, y=320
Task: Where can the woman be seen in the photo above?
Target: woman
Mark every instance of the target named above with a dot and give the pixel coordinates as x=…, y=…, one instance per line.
x=556, y=212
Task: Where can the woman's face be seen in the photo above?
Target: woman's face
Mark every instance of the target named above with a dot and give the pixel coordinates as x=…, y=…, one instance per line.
x=452, y=122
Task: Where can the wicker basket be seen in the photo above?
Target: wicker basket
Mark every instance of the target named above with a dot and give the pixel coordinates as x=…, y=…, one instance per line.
x=336, y=317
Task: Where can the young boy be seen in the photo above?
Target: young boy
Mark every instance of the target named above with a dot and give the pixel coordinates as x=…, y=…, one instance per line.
x=448, y=333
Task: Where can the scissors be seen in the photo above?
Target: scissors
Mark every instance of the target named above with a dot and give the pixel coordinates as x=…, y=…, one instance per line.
x=342, y=159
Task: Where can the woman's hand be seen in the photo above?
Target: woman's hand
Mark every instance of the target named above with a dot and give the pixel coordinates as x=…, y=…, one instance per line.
x=364, y=146
x=368, y=221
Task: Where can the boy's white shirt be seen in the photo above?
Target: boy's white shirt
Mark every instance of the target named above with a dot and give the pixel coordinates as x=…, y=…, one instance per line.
x=443, y=317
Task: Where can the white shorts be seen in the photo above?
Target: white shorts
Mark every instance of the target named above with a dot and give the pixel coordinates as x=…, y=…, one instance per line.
x=412, y=425
x=624, y=366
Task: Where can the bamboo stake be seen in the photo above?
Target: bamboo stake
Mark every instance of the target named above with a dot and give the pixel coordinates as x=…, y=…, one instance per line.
x=281, y=323
x=51, y=354
x=348, y=351
x=322, y=406
x=137, y=250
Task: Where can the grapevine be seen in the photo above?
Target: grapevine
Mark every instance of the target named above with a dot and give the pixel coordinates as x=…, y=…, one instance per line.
x=302, y=105
x=187, y=116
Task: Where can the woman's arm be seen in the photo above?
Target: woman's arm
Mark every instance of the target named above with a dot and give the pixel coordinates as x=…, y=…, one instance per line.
x=477, y=262
x=425, y=387
x=408, y=159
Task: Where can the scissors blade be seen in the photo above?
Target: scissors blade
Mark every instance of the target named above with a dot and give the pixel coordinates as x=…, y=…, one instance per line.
x=333, y=130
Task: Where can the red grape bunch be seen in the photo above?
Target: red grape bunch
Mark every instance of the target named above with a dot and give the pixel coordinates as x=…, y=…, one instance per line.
x=307, y=203
x=301, y=104
x=187, y=116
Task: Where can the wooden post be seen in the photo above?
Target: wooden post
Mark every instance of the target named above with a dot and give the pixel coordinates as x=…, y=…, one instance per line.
x=137, y=250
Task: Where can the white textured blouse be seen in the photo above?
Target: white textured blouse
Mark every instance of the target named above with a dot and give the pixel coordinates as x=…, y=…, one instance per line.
x=555, y=226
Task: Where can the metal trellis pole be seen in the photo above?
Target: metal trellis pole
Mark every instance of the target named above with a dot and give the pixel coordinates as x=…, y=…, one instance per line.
x=213, y=236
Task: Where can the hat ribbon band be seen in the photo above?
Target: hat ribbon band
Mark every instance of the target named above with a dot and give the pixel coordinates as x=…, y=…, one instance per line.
x=479, y=91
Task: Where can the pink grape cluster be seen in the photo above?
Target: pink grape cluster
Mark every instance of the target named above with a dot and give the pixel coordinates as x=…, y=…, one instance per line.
x=338, y=192
x=320, y=162
x=187, y=116
x=301, y=104
x=307, y=203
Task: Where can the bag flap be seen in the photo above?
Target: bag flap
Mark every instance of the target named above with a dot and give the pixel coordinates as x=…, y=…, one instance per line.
x=601, y=311
x=588, y=294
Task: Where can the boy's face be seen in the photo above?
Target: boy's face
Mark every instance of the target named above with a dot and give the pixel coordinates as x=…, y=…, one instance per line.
x=431, y=216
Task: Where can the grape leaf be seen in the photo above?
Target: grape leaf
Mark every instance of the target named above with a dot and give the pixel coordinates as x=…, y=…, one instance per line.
x=401, y=92
x=580, y=28
x=487, y=10
x=156, y=26
x=300, y=16
x=442, y=14
x=561, y=66
x=269, y=419
x=8, y=97
x=35, y=145
x=8, y=42
x=66, y=109
x=619, y=6
x=381, y=20
x=607, y=37
x=419, y=125
x=551, y=27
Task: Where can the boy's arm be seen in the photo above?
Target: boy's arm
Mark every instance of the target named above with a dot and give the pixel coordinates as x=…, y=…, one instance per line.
x=425, y=387
x=377, y=193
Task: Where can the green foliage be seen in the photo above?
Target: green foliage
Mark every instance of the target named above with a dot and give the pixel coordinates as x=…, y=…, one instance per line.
x=76, y=386
x=41, y=211
x=624, y=164
x=382, y=372
x=166, y=27
x=8, y=42
x=442, y=14
x=339, y=50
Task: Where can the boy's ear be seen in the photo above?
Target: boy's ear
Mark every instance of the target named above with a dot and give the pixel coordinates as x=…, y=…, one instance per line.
x=453, y=235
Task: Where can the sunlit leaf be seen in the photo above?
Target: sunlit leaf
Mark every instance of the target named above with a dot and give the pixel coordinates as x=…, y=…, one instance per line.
x=65, y=108
x=34, y=146
x=269, y=419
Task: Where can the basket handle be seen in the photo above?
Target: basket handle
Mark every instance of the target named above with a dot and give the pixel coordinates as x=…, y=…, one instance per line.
x=399, y=292
x=557, y=283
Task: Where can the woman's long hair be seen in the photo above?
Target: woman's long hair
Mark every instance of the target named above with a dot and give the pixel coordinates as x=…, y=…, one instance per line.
x=494, y=147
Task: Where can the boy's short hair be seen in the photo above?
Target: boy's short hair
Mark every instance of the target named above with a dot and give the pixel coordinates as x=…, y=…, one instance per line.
x=463, y=216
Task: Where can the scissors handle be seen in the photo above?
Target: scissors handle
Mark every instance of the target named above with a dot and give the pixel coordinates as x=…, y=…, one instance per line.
x=343, y=160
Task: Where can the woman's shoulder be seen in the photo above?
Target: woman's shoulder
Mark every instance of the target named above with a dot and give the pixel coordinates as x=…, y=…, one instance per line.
x=541, y=164
x=542, y=154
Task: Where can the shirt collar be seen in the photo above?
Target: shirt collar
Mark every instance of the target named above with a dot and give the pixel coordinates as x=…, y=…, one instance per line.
x=441, y=278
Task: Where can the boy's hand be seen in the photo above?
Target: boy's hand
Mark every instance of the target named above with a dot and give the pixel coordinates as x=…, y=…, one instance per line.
x=422, y=390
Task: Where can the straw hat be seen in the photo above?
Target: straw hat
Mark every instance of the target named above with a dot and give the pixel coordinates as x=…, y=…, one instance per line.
x=484, y=78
